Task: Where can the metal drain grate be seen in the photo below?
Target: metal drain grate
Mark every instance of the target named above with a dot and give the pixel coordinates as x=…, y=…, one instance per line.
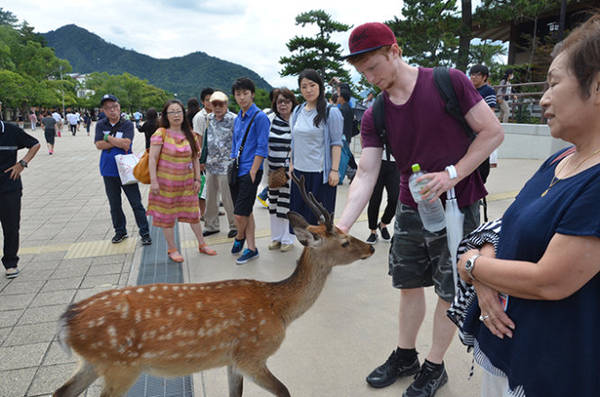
x=157, y=268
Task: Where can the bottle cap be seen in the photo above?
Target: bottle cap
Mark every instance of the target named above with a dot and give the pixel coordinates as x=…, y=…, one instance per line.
x=416, y=167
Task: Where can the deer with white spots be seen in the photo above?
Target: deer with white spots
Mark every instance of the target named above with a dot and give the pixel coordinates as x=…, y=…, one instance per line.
x=177, y=329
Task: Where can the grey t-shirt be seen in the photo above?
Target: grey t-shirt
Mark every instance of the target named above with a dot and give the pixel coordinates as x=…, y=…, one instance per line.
x=48, y=122
x=308, y=143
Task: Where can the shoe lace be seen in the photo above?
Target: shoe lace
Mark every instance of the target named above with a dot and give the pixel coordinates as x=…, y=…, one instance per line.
x=424, y=376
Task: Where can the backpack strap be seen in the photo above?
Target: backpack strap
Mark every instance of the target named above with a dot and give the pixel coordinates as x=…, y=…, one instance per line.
x=379, y=122
x=441, y=77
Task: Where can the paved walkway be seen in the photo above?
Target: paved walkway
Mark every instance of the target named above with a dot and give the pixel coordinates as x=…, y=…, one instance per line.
x=66, y=255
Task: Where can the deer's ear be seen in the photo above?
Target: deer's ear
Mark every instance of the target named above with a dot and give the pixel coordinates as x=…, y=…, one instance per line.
x=305, y=236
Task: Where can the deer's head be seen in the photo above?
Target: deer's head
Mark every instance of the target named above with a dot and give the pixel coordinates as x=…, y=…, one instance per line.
x=338, y=247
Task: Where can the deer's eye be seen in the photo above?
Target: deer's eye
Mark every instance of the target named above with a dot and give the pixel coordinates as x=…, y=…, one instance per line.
x=345, y=244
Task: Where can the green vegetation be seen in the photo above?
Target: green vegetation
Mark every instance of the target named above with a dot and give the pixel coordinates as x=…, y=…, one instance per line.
x=184, y=76
x=318, y=52
x=31, y=75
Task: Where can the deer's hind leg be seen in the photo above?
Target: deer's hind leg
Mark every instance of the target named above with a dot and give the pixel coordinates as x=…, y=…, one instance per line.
x=84, y=377
x=117, y=380
x=265, y=379
x=236, y=382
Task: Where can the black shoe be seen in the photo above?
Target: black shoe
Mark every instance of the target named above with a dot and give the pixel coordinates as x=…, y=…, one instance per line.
x=372, y=239
x=385, y=235
x=117, y=238
x=146, y=239
x=391, y=370
x=429, y=379
x=232, y=233
x=209, y=232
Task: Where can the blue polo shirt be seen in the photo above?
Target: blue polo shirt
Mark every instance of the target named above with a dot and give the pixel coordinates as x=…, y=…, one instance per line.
x=257, y=143
x=108, y=165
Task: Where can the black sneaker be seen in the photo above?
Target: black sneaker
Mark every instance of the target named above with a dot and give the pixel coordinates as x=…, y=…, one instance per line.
x=209, y=232
x=372, y=239
x=429, y=379
x=391, y=370
x=146, y=239
x=117, y=238
x=385, y=235
x=232, y=233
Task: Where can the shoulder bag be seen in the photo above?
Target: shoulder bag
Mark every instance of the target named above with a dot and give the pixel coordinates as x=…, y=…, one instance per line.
x=234, y=165
x=141, y=170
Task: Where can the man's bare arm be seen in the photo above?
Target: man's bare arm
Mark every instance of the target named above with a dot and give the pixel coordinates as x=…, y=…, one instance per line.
x=361, y=187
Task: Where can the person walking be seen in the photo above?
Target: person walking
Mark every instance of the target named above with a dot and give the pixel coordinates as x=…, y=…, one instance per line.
x=87, y=121
x=419, y=130
x=33, y=120
x=114, y=135
x=175, y=178
x=254, y=124
x=215, y=159
x=504, y=95
x=12, y=139
x=280, y=144
x=316, y=146
x=49, y=124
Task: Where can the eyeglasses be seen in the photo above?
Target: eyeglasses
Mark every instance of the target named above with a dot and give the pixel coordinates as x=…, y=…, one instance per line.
x=111, y=107
x=175, y=112
x=284, y=102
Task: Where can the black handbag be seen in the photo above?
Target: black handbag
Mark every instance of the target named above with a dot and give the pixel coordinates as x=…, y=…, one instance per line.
x=232, y=172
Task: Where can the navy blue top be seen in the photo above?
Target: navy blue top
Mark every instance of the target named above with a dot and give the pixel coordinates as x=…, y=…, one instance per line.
x=556, y=345
x=108, y=165
x=488, y=94
x=257, y=143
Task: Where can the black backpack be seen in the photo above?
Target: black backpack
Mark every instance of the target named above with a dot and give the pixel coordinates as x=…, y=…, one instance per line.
x=441, y=77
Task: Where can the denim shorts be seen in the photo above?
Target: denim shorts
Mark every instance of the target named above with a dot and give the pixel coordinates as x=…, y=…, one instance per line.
x=419, y=258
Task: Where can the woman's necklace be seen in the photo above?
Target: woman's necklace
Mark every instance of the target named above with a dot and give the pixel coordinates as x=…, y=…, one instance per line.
x=555, y=178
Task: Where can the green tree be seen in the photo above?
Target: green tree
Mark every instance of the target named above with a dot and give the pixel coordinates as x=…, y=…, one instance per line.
x=318, y=52
x=8, y=18
x=428, y=34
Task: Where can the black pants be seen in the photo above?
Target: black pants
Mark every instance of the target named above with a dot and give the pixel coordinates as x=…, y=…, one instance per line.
x=112, y=185
x=10, y=217
x=389, y=177
x=73, y=128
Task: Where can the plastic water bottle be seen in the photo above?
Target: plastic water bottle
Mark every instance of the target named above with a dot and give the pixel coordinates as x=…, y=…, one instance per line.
x=432, y=214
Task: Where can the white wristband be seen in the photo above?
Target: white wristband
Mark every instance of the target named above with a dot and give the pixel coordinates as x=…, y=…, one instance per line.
x=452, y=171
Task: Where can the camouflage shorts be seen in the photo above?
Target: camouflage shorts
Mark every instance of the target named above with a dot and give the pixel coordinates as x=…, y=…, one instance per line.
x=419, y=258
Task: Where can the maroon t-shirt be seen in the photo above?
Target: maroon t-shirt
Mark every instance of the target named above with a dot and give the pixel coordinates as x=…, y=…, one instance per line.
x=421, y=131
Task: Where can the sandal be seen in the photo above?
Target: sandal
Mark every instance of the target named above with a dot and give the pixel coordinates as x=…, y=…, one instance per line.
x=203, y=248
x=175, y=256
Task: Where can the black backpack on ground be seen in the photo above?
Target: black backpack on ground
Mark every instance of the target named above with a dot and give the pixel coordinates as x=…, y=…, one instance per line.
x=443, y=83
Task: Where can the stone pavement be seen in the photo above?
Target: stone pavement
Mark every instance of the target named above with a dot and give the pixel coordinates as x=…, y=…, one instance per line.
x=66, y=255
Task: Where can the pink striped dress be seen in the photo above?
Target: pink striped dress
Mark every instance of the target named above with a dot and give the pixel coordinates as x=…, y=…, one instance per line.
x=176, y=199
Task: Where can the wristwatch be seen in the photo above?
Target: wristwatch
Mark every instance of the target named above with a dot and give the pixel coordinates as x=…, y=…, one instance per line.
x=23, y=163
x=470, y=265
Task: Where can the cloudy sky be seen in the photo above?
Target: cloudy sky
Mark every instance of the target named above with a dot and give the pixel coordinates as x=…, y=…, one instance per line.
x=250, y=33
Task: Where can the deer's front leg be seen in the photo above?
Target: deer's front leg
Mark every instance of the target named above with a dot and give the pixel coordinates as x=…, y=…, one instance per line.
x=236, y=382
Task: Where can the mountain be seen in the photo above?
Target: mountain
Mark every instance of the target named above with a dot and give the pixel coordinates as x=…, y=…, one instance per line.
x=186, y=75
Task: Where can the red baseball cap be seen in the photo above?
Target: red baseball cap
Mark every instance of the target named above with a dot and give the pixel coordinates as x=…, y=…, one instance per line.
x=369, y=37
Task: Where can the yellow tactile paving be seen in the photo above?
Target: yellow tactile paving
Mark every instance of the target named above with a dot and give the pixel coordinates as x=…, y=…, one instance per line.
x=90, y=249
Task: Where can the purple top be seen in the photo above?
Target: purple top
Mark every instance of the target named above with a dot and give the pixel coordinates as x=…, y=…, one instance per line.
x=421, y=131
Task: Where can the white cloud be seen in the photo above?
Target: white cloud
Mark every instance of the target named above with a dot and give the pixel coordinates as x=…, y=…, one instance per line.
x=250, y=33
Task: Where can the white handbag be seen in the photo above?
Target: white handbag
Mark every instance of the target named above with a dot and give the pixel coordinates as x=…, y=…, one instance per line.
x=125, y=165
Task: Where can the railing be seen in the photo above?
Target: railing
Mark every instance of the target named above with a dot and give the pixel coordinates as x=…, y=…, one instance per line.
x=526, y=107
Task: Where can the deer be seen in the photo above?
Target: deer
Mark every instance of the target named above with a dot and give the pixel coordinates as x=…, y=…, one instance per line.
x=177, y=329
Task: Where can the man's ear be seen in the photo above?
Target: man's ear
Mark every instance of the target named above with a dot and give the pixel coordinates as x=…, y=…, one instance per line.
x=305, y=236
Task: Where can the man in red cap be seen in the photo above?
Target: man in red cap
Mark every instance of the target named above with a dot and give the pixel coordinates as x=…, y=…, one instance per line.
x=419, y=130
